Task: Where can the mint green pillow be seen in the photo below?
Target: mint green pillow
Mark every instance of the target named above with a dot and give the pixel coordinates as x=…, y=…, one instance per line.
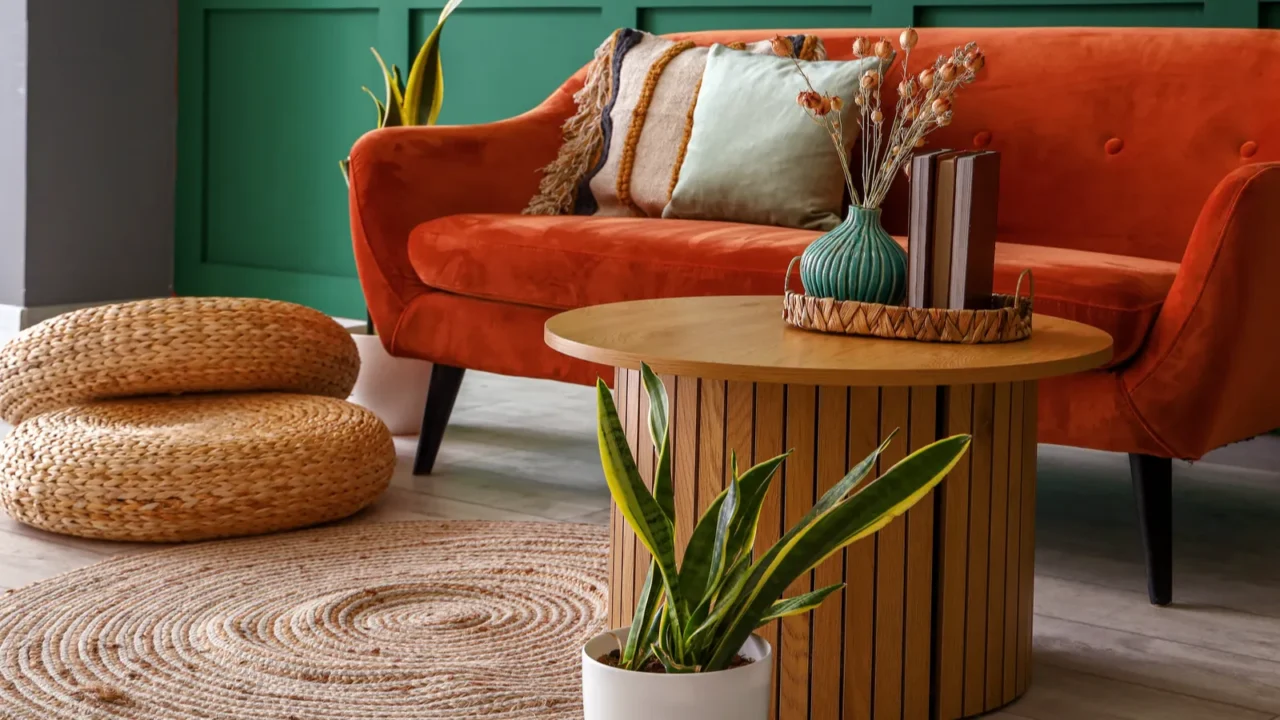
x=754, y=155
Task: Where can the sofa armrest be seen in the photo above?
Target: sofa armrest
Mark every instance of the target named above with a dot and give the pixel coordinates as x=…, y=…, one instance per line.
x=402, y=177
x=1206, y=376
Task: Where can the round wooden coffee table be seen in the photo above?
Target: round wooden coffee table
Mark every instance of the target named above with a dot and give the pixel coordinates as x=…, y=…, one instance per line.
x=939, y=603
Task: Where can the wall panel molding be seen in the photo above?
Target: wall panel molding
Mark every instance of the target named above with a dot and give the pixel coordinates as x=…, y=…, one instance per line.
x=1269, y=15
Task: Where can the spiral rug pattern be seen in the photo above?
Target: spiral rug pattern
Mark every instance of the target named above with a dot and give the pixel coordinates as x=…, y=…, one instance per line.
x=415, y=620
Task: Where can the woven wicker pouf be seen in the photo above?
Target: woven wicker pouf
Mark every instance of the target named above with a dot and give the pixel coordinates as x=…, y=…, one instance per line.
x=108, y=446
x=194, y=467
x=174, y=345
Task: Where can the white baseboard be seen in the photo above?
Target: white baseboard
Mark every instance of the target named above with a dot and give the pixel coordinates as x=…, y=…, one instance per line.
x=352, y=325
x=10, y=321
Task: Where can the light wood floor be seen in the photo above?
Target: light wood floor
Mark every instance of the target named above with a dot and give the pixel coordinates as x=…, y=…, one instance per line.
x=524, y=449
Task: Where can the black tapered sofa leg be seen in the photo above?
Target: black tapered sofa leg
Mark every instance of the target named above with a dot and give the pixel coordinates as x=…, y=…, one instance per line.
x=1153, y=489
x=441, y=394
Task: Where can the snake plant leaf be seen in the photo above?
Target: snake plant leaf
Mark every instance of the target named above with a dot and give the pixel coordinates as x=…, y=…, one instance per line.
x=724, y=524
x=424, y=90
x=799, y=604
x=633, y=499
x=754, y=485
x=706, y=617
x=669, y=648
x=757, y=481
x=848, y=482
x=397, y=88
x=391, y=115
x=699, y=614
x=397, y=83
x=670, y=664
x=868, y=510
x=660, y=432
x=882, y=492
x=720, y=545
x=644, y=623
x=697, y=555
x=382, y=109
x=732, y=581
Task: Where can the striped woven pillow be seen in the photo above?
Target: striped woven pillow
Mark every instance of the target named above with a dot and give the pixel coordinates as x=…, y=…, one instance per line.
x=623, y=149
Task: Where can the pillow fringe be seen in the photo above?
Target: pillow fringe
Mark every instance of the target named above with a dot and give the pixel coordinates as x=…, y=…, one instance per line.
x=582, y=138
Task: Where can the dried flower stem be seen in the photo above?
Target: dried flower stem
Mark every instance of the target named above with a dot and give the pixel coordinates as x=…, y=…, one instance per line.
x=923, y=105
x=835, y=130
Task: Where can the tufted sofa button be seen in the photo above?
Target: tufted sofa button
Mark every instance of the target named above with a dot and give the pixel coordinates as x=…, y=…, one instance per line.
x=982, y=139
x=1113, y=146
x=1248, y=149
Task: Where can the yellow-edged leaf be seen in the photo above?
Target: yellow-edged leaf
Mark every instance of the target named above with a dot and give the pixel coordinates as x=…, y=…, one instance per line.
x=890, y=476
x=447, y=10
x=382, y=109
x=755, y=483
x=397, y=86
x=633, y=499
x=424, y=90
x=799, y=604
x=644, y=623
x=392, y=110
x=437, y=92
x=755, y=486
x=695, y=568
x=872, y=507
x=720, y=561
x=660, y=432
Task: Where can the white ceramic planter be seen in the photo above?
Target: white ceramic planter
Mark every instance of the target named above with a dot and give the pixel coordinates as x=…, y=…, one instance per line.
x=392, y=388
x=741, y=693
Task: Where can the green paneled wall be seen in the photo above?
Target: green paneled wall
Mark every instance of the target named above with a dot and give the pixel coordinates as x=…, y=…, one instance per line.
x=270, y=100
x=507, y=60
x=1163, y=14
x=780, y=15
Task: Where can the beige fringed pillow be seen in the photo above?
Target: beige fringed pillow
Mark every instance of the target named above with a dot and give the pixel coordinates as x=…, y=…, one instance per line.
x=623, y=150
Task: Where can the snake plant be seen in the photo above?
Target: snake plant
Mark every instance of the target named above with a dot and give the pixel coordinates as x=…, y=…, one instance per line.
x=419, y=100
x=695, y=616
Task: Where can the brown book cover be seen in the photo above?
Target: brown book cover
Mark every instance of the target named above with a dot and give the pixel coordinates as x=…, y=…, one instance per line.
x=973, y=239
x=943, y=218
x=920, y=228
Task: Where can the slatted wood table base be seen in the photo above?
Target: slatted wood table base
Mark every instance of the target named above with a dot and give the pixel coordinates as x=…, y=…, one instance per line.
x=936, y=619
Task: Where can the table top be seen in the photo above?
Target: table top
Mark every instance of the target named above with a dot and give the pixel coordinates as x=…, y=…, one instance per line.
x=745, y=338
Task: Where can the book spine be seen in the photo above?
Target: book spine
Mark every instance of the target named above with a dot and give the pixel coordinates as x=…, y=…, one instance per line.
x=974, y=234
x=943, y=223
x=920, y=231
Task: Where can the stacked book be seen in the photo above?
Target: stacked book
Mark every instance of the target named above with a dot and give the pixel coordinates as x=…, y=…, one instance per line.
x=952, y=235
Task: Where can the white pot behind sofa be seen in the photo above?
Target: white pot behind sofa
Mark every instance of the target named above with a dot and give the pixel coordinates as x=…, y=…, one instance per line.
x=392, y=388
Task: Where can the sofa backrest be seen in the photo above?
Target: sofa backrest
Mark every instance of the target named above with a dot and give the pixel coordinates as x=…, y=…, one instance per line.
x=1111, y=138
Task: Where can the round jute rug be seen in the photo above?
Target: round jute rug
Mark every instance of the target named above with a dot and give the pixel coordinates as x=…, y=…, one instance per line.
x=416, y=620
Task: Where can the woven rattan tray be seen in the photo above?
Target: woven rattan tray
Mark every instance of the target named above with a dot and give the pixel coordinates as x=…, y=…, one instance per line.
x=1008, y=320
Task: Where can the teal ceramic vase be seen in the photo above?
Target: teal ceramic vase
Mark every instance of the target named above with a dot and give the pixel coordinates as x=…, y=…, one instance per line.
x=857, y=260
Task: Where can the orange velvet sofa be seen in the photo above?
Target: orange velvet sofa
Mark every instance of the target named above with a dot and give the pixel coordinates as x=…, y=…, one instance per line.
x=1140, y=182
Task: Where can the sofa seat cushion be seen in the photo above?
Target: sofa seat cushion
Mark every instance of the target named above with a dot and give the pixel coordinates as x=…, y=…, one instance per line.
x=568, y=261
x=1116, y=293
x=564, y=262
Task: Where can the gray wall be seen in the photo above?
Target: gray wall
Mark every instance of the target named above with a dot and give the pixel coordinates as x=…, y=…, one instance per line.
x=13, y=150
x=88, y=124
x=101, y=148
